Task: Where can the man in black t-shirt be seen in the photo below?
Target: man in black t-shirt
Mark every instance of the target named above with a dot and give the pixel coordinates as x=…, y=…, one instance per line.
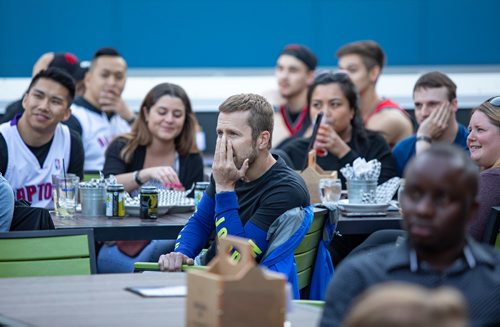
x=250, y=188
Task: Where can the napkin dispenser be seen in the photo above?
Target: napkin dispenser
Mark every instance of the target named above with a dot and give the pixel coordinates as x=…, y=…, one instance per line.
x=231, y=293
x=312, y=174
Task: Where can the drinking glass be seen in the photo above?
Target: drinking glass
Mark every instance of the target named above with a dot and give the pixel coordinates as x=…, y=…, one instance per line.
x=65, y=193
x=330, y=190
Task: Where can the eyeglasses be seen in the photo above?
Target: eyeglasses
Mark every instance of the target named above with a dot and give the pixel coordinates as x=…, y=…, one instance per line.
x=495, y=101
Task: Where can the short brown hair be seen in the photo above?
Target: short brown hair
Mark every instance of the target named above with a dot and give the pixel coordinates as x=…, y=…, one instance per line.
x=434, y=80
x=261, y=116
x=370, y=51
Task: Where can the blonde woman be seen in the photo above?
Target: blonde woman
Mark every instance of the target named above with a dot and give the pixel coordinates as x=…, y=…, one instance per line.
x=484, y=146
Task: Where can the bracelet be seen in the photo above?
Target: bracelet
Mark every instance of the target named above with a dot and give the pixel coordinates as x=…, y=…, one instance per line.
x=424, y=138
x=136, y=178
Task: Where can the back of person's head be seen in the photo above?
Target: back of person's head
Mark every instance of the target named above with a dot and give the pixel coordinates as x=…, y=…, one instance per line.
x=59, y=76
x=370, y=52
x=435, y=80
x=140, y=133
x=261, y=114
x=65, y=61
x=397, y=304
x=69, y=63
x=302, y=53
x=347, y=87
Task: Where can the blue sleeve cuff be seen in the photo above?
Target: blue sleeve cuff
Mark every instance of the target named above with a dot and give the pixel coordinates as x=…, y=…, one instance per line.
x=226, y=201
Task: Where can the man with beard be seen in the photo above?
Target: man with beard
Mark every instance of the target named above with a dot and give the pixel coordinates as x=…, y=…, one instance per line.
x=101, y=114
x=250, y=188
x=294, y=72
x=438, y=201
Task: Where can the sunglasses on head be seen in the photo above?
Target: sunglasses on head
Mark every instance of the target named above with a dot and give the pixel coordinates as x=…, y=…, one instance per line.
x=494, y=101
x=326, y=72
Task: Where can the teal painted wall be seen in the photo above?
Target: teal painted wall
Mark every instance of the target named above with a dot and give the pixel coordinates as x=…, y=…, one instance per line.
x=233, y=33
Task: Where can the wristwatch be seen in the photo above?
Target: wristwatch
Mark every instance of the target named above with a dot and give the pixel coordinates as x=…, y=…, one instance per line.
x=424, y=138
x=136, y=178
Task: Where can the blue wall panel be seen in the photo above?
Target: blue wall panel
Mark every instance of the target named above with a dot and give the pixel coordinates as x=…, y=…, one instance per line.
x=223, y=33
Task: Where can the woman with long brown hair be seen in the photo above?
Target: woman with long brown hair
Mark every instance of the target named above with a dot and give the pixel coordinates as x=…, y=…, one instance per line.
x=161, y=147
x=160, y=150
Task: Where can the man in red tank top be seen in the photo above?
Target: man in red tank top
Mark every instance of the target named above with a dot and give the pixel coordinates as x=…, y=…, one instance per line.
x=294, y=72
x=363, y=61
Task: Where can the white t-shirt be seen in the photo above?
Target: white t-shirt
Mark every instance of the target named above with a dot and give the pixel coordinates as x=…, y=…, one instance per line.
x=97, y=132
x=28, y=180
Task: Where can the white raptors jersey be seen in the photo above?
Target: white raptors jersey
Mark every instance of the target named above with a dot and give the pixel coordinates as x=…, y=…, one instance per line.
x=28, y=180
x=97, y=132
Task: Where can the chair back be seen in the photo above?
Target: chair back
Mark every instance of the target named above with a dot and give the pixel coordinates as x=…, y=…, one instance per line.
x=490, y=234
x=305, y=253
x=47, y=253
x=88, y=175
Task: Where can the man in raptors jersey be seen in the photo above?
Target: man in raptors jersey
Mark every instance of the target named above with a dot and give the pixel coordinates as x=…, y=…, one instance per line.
x=294, y=73
x=101, y=114
x=35, y=146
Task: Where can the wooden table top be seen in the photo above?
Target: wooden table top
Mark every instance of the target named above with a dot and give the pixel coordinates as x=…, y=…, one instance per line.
x=101, y=300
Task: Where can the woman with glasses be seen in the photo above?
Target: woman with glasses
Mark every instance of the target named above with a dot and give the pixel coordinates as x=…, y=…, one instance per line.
x=341, y=137
x=484, y=146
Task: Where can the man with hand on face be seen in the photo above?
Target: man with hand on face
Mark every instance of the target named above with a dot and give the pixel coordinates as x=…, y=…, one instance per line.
x=439, y=199
x=36, y=146
x=435, y=98
x=250, y=188
x=101, y=114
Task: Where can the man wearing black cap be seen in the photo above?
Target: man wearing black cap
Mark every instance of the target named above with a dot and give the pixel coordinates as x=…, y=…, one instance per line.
x=294, y=72
x=65, y=61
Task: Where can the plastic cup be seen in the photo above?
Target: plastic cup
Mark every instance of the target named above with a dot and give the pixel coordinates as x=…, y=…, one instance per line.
x=65, y=194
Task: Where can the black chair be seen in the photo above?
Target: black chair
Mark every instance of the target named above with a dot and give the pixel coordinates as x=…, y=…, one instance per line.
x=492, y=227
